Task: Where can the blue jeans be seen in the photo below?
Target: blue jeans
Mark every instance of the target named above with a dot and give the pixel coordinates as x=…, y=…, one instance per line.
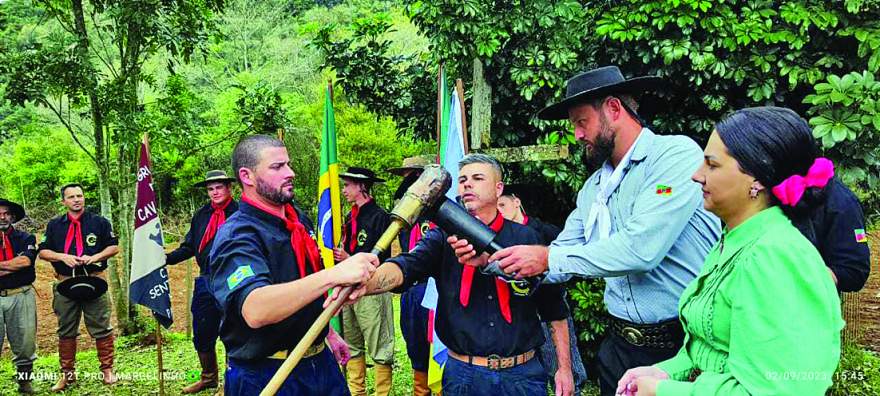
x=206, y=316
x=414, y=326
x=463, y=379
x=317, y=375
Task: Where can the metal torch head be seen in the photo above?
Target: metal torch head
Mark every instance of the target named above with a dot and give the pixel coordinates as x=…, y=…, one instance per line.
x=424, y=193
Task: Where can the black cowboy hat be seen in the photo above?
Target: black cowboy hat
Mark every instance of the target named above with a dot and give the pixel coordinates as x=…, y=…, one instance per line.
x=82, y=287
x=362, y=175
x=411, y=164
x=215, y=176
x=16, y=209
x=595, y=83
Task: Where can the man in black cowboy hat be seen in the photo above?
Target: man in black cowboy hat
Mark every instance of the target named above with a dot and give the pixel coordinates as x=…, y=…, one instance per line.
x=413, y=316
x=18, y=305
x=639, y=222
x=198, y=242
x=370, y=321
x=80, y=241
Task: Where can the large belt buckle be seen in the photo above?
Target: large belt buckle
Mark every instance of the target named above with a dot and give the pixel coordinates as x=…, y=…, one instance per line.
x=493, y=362
x=633, y=336
x=4, y=293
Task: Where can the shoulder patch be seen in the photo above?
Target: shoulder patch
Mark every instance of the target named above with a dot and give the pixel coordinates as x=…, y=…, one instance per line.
x=861, y=236
x=241, y=273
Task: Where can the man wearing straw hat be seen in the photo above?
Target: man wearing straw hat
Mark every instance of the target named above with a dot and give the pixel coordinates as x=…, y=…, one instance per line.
x=267, y=277
x=367, y=325
x=80, y=241
x=413, y=316
x=639, y=222
x=18, y=305
x=197, y=243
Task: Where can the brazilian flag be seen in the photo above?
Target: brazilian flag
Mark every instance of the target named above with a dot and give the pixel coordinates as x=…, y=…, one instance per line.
x=329, y=204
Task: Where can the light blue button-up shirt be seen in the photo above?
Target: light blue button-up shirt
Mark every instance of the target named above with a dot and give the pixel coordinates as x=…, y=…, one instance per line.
x=660, y=232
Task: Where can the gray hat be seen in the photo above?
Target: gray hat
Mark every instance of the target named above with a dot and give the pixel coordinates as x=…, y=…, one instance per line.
x=215, y=176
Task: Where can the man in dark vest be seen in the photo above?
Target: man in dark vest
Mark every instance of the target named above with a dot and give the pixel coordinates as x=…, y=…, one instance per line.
x=368, y=325
x=413, y=316
x=18, y=306
x=197, y=243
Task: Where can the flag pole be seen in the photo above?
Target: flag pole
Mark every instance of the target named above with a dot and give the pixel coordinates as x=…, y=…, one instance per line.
x=439, y=108
x=160, y=367
x=459, y=87
x=159, y=355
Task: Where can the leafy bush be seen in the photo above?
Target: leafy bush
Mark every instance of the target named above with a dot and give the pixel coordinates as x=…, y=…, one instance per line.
x=588, y=310
x=857, y=374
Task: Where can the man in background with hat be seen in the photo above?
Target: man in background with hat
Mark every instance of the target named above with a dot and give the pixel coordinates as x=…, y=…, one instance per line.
x=370, y=321
x=413, y=316
x=80, y=241
x=639, y=222
x=511, y=207
x=197, y=243
x=18, y=305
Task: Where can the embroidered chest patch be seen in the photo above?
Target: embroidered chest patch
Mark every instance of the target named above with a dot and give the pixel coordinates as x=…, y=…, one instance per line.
x=91, y=239
x=663, y=189
x=362, y=237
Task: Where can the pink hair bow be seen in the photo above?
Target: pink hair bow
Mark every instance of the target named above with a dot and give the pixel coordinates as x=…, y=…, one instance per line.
x=792, y=189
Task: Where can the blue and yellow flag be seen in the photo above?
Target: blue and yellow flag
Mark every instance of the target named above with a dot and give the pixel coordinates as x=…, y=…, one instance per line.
x=329, y=205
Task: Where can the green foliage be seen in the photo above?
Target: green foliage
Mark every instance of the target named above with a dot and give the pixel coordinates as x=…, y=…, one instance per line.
x=41, y=164
x=847, y=122
x=588, y=308
x=386, y=83
x=857, y=374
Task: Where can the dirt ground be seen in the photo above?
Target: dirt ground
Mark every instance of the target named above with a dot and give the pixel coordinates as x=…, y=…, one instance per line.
x=870, y=299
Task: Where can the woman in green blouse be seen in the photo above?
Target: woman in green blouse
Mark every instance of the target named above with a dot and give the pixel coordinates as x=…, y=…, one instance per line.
x=763, y=317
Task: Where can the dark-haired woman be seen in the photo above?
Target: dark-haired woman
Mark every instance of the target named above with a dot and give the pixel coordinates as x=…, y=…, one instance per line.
x=763, y=317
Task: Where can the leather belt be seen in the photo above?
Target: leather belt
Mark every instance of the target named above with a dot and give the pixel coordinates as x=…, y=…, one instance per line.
x=312, y=351
x=495, y=362
x=12, y=292
x=664, y=335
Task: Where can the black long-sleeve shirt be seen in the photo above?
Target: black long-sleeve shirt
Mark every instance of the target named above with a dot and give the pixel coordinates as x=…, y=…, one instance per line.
x=23, y=244
x=837, y=229
x=480, y=329
x=371, y=223
x=190, y=245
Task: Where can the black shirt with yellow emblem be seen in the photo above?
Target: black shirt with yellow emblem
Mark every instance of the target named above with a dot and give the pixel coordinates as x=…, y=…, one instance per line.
x=97, y=235
x=371, y=223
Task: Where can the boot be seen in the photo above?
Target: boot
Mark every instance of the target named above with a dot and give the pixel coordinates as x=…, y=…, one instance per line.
x=23, y=376
x=67, y=360
x=208, y=360
x=383, y=379
x=420, y=384
x=357, y=375
x=105, y=357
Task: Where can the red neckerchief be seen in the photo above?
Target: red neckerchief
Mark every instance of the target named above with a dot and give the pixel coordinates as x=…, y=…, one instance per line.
x=302, y=244
x=355, y=210
x=74, y=231
x=467, y=279
x=218, y=217
x=8, y=254
x=525, y=220
x=415, y=235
